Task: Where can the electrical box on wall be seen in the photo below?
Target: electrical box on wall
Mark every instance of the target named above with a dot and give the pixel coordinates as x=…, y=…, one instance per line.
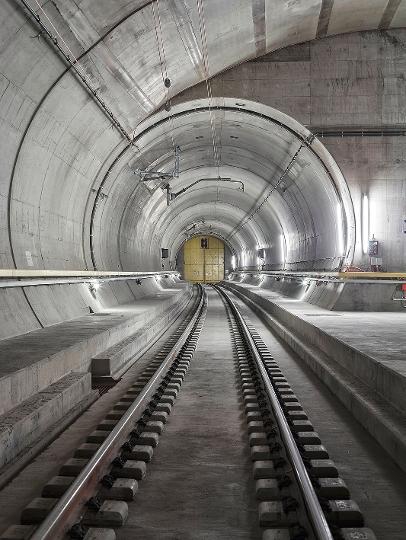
x=373, y=248
x=164, y=253
x=261, y=253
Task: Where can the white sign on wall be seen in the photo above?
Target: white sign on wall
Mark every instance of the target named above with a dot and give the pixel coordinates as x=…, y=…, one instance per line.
x=29, y=258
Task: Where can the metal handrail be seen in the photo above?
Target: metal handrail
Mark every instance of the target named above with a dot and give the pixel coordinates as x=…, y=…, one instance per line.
x=69, y=507
x=32, y=278
x=316, y=515
x=331, y=277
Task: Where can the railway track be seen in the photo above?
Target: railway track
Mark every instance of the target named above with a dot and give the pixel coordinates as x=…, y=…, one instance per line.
x=298, y=487
x=298, y=492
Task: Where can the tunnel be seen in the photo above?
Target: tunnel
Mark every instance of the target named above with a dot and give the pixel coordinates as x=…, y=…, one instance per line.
x=202, y=269
x=303, y=218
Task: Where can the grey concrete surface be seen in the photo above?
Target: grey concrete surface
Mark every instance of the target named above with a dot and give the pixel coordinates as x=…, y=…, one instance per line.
x=34, y=417
x=29, y=482
x=370, y=345
x=32, y=361
x=200, y=484
x=371, y=389
x=351, y=80
x=331, y=292
x=113, y=361
x=375, y=482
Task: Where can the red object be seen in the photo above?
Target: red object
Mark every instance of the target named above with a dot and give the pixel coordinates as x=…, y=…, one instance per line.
x=404, y=287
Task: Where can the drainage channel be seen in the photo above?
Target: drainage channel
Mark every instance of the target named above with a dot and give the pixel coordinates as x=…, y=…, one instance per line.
x=88, y=499
x=300, y=494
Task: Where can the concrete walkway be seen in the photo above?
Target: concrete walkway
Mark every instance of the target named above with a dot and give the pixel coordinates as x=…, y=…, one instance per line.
x=370, y=345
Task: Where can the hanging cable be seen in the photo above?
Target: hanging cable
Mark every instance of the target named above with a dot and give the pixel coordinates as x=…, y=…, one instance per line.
x=162, y=60
x=73, y=62
x=206, y=67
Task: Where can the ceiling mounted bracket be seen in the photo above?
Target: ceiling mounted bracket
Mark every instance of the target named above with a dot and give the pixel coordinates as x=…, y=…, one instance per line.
x=172, y=196
x=146, y=175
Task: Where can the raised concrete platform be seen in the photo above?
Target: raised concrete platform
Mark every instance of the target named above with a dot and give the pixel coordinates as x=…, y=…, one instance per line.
x=31, y=362
x=24, y=424
x=360, y=357
x=336, y=291
x=112, y=362
x=45, y=374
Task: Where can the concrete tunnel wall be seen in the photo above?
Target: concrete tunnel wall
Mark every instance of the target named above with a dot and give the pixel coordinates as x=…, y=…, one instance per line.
x=298, y=225
x=64, y=175
x=348, y=81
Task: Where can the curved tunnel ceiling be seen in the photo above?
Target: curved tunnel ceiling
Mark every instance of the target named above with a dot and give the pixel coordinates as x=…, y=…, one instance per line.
x=72, y=193
x=292, y=188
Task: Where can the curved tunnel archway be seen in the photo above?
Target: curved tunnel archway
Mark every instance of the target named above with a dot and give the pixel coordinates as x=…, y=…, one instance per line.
x=295, y=204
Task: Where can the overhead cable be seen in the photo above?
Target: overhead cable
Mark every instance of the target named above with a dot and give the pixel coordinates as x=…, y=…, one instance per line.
x=79, y=71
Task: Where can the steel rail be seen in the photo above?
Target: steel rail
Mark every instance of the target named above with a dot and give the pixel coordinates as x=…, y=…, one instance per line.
x=70, y=506
x=315, y=512
x=79, y=277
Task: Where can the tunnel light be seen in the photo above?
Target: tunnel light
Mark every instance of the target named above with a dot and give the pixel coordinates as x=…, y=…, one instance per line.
x=365, y=224
x=340, y=232
x=94, y=286
x=233, y=262
x=282, y=241
x=306, y=284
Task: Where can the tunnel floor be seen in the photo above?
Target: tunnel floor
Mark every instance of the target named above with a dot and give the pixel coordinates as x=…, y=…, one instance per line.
x=199, y=484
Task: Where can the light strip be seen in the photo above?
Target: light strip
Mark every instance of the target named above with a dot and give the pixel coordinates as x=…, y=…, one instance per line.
x=340, y=233
x=282, y=240
x=365, y=224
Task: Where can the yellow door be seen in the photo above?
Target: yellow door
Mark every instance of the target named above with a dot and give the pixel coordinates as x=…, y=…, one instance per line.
x=203, y=259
